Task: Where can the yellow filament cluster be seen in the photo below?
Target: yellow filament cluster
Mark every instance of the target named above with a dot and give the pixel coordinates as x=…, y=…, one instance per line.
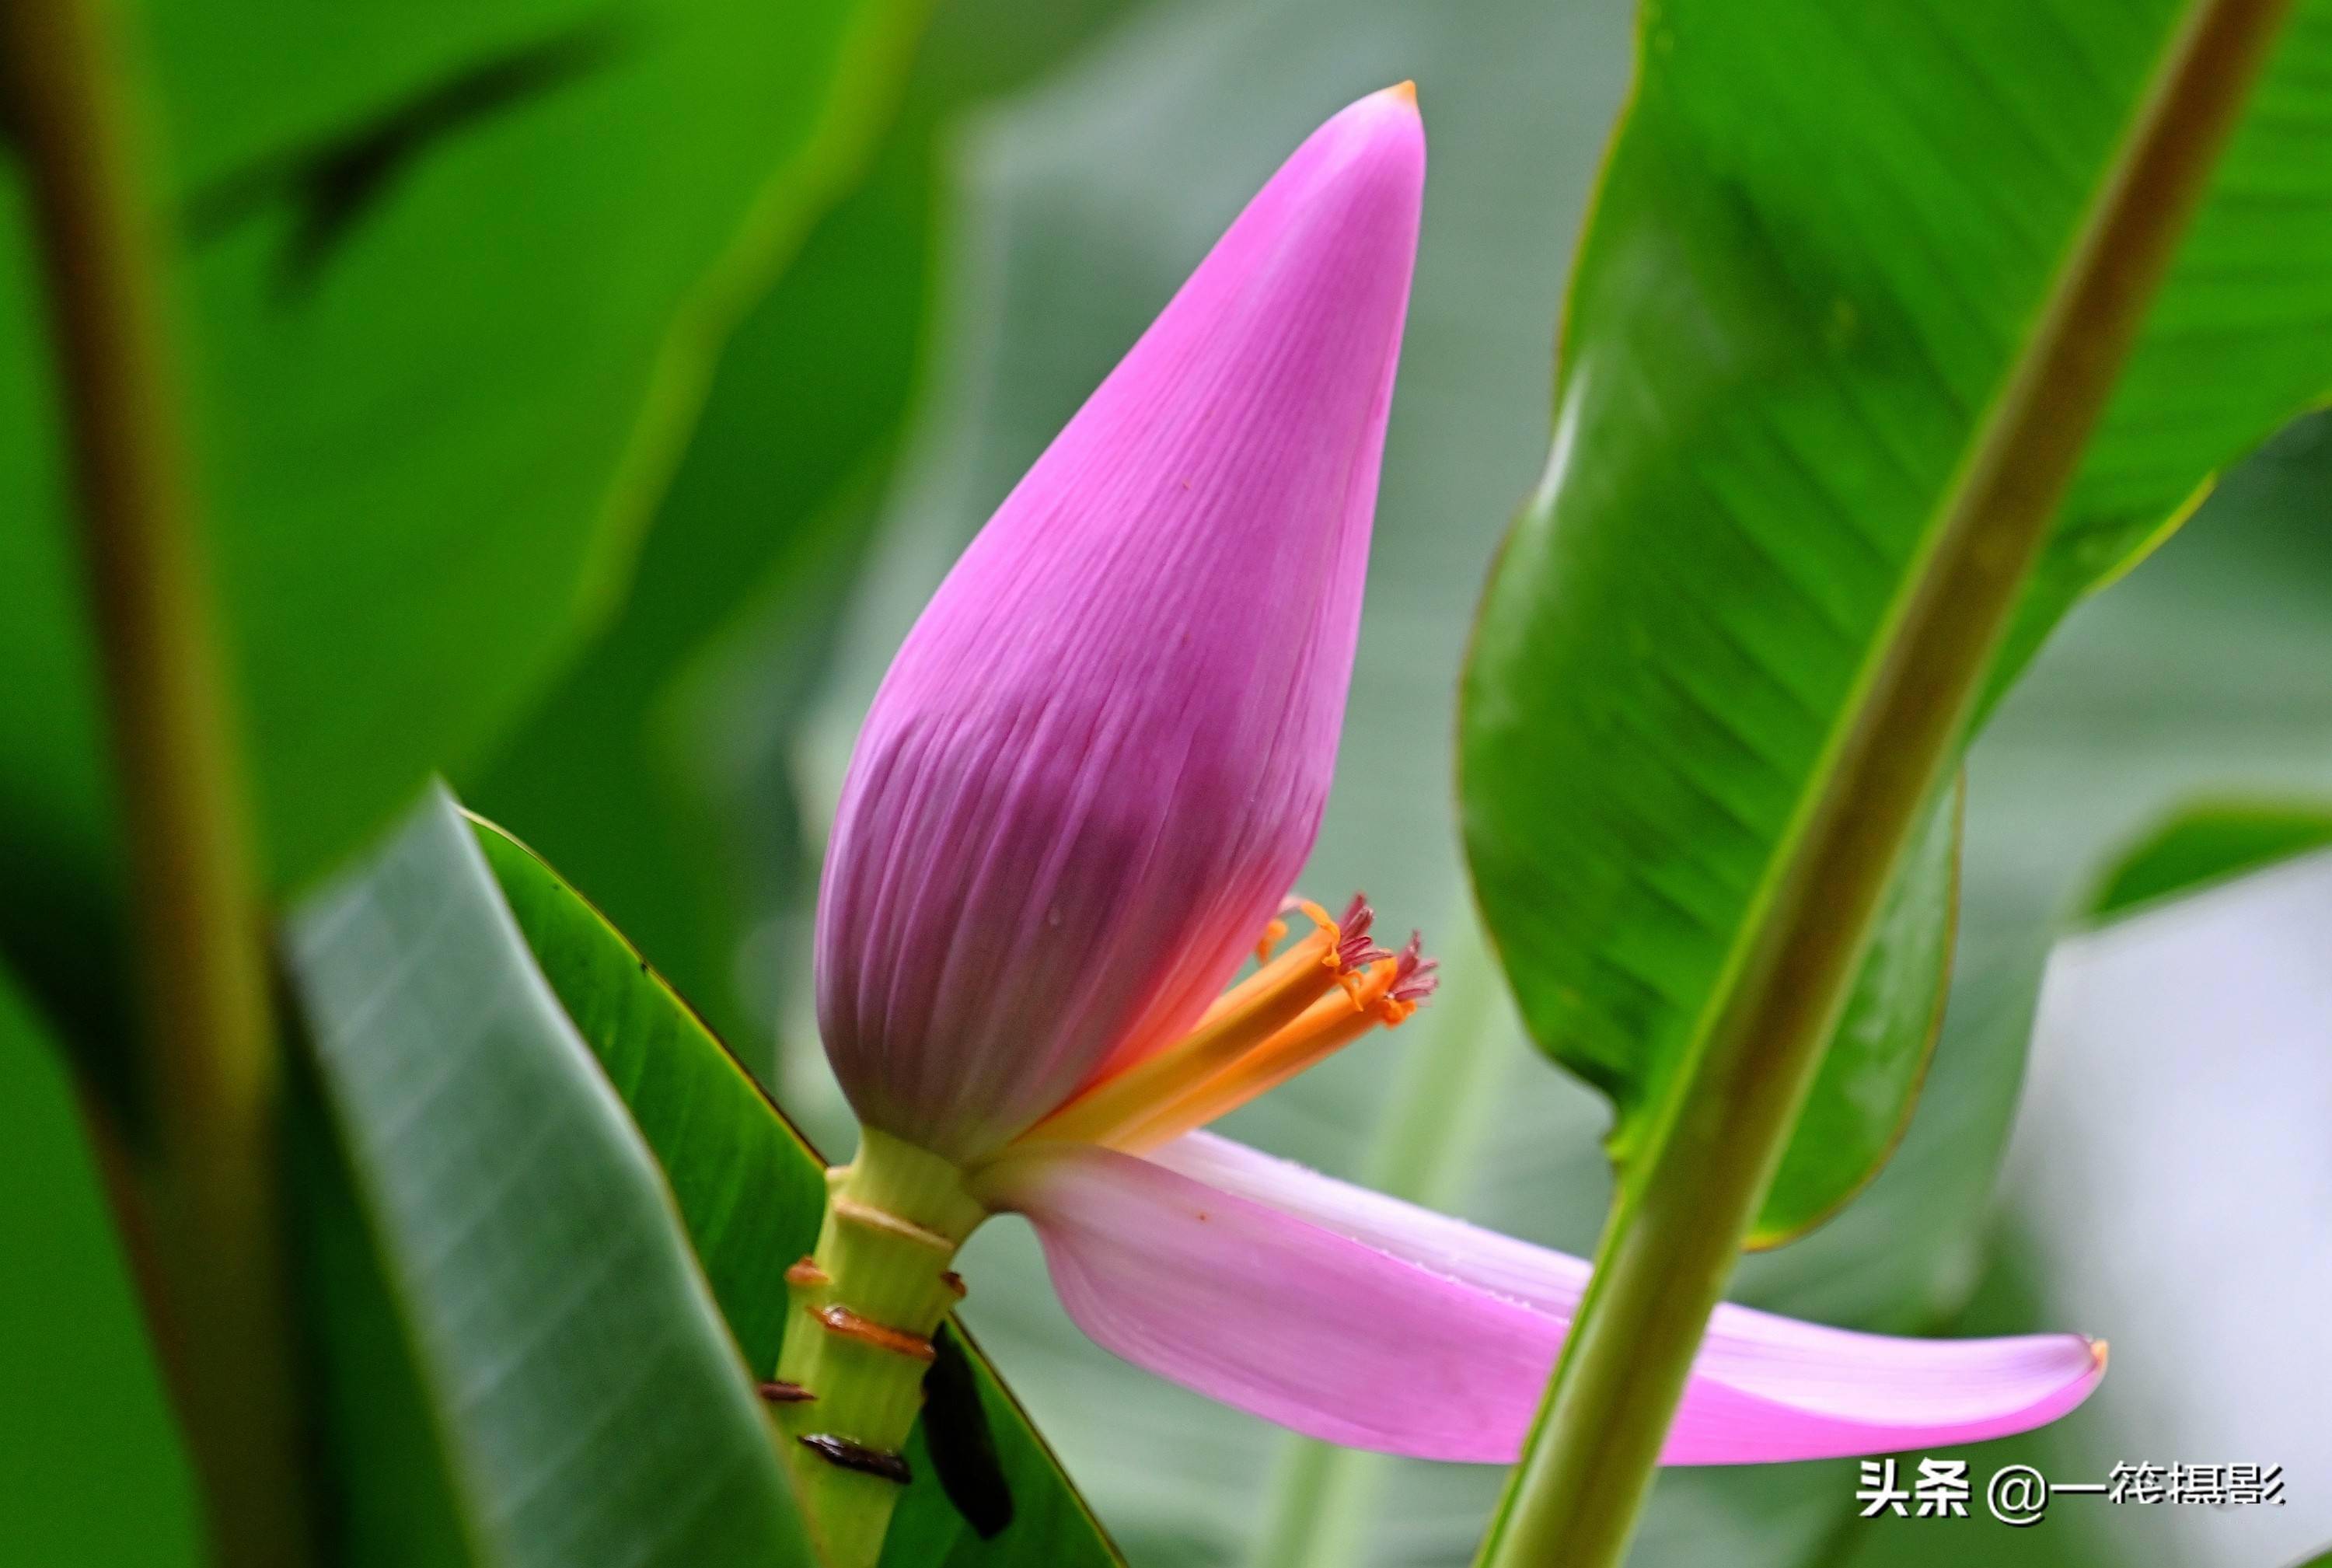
x=1298, y=1008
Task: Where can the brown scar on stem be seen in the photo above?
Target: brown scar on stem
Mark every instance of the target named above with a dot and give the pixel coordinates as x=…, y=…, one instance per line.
x=852, y=1211
x=841, y=1320
x=779, y=1392
x=808, y=1272
x=954, y=1283
x=849, y=1456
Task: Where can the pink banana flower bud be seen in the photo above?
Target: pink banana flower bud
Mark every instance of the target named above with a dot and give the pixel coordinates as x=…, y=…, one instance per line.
x=1079, y=803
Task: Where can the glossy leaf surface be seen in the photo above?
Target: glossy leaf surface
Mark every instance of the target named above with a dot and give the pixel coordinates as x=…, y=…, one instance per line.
x=570, y=1359
x=1869, y=1079
x=751, y=1191
x=1823, y=243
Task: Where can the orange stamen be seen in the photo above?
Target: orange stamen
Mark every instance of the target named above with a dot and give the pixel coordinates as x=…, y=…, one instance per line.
x=1324, y=1028
x=1320, y=946
x=1273, y=935
x=1240, y=1018
x=1333, y=929
x=1327, y=990
x=1245, y=1014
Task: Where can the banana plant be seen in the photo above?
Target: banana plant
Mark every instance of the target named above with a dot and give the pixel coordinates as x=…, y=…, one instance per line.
x=347, y=360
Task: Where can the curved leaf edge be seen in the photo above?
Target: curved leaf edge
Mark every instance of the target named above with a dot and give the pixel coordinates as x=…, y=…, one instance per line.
x=2206, y=843
x=1768, y=1234
x=505, y=850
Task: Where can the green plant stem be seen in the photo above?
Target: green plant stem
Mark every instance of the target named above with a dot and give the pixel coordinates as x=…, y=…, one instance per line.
x=863, y=1309
x=207, y=1186
x=1685, y=1208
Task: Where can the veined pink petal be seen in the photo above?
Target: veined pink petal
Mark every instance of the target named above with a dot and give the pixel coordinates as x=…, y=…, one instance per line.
x=1100, y=758
x=1282, y=1318
x=1369, y=1322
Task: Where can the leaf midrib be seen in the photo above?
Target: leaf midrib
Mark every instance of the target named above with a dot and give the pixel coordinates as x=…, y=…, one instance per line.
x=2021, y=390
x=1740, y=1083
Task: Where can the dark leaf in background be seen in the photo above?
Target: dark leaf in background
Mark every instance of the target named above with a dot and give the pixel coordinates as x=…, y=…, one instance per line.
x=330, y=187
x=92, y=1474
x=454, y=274
x=962, y=1444
x=751, y=1191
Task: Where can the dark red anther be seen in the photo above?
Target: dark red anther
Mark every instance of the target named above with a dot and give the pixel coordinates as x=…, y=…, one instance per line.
x=1413, y=979
x=1354, y=950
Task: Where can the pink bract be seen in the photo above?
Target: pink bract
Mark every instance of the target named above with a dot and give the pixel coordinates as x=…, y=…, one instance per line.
x=1100, y=759
x=1371, y=1323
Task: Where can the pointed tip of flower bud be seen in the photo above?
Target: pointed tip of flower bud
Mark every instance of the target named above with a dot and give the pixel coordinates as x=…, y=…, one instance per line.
x=1382, y=134
x=1102, y=756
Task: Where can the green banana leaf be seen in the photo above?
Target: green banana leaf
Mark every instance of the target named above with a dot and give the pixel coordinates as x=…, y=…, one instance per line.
x=385, y=1465
x=528, y=1297
x=2206, y=842
x=88, y=1426
x=1822, y=247
x=1868, y=1081
x=451, y=277
x=751, y=1191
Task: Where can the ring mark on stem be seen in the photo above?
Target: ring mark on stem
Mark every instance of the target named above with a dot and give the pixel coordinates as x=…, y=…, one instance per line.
x=853, y=1212
x=841, y=1320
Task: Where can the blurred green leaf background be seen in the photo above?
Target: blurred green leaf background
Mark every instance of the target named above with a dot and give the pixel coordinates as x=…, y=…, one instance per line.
x=1019, y=189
